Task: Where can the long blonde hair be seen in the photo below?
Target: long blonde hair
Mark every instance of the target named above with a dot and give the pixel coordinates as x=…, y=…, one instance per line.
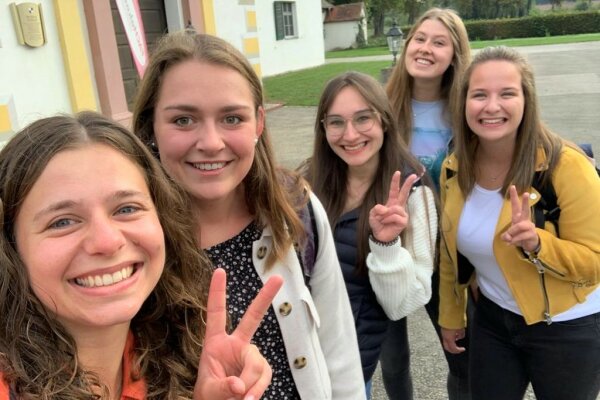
x=400, y=85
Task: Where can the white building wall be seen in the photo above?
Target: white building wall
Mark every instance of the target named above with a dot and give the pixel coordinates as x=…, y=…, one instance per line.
x=32, y=79
x=304, y=51
x=230, y=22
x=340, y=35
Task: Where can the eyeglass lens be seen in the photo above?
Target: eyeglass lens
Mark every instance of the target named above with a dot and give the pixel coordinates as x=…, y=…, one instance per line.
x=361, y=121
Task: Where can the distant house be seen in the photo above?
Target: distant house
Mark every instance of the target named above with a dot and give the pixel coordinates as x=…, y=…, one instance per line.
x=344, y=26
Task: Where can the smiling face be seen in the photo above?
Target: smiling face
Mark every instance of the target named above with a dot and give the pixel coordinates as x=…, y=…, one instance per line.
x=429, y=52
x=206, y=126
x=90, y=238
x=357, y=149
x=495, y=102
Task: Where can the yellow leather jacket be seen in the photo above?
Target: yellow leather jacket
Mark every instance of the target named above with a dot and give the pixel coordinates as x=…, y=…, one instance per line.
x=565, y=270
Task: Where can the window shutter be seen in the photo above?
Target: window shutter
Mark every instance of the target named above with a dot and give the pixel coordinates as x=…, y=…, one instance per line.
x=278, y=11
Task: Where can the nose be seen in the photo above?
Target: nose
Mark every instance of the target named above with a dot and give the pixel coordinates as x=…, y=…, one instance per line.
x=425, y=47
x=209, y=138
x=350, y=132
x=104, y=237
x=493, y=104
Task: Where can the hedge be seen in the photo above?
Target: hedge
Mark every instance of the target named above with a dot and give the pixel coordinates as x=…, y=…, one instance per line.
x=553, y=24
x=535, y=26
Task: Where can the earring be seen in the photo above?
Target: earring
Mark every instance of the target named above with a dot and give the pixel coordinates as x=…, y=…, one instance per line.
x=255, y=141
x=153, y=147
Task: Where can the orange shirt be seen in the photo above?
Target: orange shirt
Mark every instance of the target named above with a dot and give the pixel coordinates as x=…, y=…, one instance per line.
x=132, y=390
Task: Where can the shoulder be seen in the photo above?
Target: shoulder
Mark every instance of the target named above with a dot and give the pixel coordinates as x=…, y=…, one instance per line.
x=573, y=162
x=319, y=210
x=4, y=389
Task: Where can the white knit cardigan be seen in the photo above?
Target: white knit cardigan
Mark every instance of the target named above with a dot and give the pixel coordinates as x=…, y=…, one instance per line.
x=400, y=274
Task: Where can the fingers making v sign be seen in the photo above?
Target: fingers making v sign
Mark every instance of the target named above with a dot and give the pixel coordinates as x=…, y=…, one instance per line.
x=230, y=366
x=388, y=220
x=522, y=231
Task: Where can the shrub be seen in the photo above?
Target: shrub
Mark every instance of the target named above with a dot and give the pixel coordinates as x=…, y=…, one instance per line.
x=551, y=24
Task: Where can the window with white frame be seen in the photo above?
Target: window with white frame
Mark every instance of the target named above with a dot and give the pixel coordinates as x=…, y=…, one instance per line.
x=285, y=19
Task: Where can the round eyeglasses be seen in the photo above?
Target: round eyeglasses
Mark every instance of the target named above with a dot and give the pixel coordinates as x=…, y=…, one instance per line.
x=362, y=121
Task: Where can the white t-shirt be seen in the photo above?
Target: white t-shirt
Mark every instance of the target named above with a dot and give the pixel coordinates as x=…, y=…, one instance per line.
x=475, y=238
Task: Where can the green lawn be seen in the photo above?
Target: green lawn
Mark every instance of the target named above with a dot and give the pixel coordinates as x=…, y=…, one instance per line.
x=303, y=88
x=376, y=51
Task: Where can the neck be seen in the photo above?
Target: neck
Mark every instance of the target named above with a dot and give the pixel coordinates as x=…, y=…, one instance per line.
x=427, y=89
x=101, y=351
x=221, y=219
x=497, y=152
x=492, y=164
x=359, y=181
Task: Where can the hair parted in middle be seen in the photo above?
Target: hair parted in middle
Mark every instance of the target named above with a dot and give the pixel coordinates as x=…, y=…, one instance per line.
x=273, y=195
x=532, y=133
x=39, y=354
x=328, y=173
x=400, y=85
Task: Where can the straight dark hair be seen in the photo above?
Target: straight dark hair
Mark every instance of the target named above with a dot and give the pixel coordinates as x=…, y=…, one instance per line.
x=328, y=173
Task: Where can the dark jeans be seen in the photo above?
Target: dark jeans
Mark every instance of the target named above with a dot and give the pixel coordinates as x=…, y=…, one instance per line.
x=395, y=355
x=561, y=360
x=395, y=362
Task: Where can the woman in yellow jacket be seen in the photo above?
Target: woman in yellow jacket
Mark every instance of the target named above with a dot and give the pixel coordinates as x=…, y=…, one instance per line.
x=537, y=318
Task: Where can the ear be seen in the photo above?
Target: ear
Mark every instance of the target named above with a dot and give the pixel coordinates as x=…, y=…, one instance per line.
x=260, y=121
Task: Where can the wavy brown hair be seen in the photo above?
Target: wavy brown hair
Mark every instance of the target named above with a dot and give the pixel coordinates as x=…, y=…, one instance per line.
x=273, y=194
x=328, y=173
x=400, y=85
x=531, y=133
x=38, y=356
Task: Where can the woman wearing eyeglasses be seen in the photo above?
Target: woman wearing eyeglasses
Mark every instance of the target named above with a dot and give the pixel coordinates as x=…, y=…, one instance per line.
x=384, y=215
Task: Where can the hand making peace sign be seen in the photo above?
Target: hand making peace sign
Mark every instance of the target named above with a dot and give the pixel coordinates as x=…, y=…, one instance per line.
x=522, y=229
x=389, y=220
x=230, y=367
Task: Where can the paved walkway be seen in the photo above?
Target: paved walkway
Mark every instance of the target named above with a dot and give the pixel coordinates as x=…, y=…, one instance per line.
x=568, y=84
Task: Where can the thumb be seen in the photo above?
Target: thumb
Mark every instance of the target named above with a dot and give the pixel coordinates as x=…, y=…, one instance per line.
x=235, y=386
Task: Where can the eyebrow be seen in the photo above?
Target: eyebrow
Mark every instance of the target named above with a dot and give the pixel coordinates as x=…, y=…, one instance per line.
x=475, y=89
x=340, y=115
x=66, y=204
x=190, y=108
x=443, y=35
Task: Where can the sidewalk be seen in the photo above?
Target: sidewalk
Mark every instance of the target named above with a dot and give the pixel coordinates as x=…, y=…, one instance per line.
x=568, y=84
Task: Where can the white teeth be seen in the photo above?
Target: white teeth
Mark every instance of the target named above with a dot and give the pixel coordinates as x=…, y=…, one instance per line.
x=424, y=62
x=106, y=279
x=492, y=121
x=117, y=277
x=209, y=166
x=355, y=147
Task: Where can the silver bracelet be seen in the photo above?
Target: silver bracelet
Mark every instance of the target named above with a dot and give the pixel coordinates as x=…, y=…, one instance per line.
x=385, y=244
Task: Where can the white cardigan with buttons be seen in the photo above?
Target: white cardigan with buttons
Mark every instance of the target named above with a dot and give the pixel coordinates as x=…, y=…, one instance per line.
x=317, y=325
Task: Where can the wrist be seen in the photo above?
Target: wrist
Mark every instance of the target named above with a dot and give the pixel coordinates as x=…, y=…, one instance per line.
x=535, y=251
x=385, y=244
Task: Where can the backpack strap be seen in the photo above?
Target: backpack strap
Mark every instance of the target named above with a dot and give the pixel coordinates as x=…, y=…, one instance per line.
x=308, y=253
x=546, y=209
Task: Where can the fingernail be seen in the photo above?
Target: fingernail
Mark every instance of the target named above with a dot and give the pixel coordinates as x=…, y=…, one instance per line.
x=250, y=397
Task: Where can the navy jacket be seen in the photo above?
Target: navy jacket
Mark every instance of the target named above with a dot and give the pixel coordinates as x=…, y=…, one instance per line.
x=369, y=318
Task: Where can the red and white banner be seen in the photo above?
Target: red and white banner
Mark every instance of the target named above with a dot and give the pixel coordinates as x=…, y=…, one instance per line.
x=129, y=10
